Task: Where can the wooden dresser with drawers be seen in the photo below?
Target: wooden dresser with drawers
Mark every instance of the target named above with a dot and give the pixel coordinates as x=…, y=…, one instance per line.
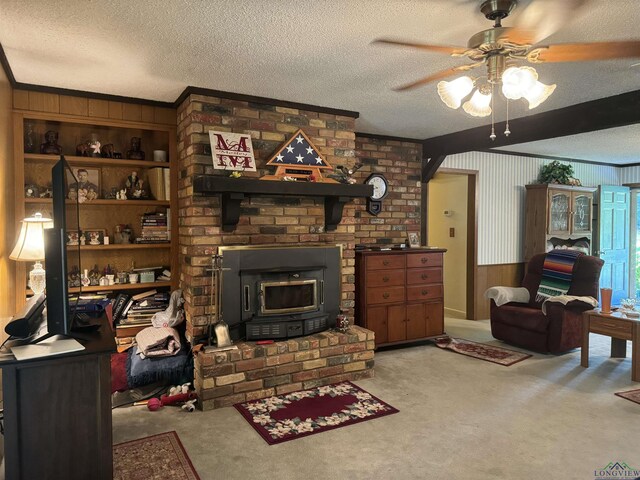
x=400, y=294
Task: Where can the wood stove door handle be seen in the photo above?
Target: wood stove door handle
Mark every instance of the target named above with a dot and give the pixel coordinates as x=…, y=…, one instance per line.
x=247, y=299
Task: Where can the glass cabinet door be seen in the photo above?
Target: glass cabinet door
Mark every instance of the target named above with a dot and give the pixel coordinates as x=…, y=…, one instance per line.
x=581, y=219
x=559, y=212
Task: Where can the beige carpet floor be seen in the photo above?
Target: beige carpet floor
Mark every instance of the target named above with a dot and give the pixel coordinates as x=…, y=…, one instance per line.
x=460, y=418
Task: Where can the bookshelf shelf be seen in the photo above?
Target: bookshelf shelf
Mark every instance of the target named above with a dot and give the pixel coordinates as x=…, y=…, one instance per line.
x=124, y=246
x=102, y=202
x=115, y=288
x=91, y=161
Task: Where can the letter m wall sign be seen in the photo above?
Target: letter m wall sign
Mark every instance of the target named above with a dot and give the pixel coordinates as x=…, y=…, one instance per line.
x=232, y=151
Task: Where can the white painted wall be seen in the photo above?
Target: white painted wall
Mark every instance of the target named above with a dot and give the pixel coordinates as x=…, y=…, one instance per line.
x=630, y=175
x=501, y=197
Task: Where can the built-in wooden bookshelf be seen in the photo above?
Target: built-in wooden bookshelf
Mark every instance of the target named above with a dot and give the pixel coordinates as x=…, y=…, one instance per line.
x=34, y=168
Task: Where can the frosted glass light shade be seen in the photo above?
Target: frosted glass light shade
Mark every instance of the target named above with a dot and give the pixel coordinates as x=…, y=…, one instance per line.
x=516, y=81
x=30, y=244
x=479, y=105
x=538, y=94
x=452, y=93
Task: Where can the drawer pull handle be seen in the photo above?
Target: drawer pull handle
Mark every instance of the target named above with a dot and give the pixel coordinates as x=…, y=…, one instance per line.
x=386, y=263
x=425, y=292
x=424, y=259
x=385, y=278
x=425, y=276
x=385, y=295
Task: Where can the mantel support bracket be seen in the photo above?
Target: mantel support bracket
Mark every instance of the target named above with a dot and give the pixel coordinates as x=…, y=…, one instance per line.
x=230, y=210
x=333, y=207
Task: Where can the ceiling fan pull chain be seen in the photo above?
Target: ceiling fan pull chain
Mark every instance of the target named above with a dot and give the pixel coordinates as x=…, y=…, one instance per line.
x=493, y=132
x=507, y=131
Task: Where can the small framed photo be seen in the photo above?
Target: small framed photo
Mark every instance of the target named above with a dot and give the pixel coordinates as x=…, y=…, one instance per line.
x=94, y=236
x=414, y=240
x=85, y=186
x=73, y=237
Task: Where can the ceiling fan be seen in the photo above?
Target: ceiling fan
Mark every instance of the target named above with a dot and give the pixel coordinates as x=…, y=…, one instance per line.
x=504, y=49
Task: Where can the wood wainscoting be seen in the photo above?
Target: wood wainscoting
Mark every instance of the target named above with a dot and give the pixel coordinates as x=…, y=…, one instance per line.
x=505, y=274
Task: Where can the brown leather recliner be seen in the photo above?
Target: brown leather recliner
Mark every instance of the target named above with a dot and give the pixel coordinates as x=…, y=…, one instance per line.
x=560, y=329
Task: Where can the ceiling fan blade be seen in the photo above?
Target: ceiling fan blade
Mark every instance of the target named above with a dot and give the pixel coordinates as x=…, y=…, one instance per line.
x=449, y=50
x=541, y=19
x=437, y=76
x=584, y=52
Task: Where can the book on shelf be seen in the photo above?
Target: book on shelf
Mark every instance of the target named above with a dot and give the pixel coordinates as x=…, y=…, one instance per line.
x=119, y=303
x=167, y=184
x=146, y=294
x=130, y=330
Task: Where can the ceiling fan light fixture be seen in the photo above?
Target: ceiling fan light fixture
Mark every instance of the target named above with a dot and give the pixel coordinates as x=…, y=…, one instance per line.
x=538, y=93
x=479, y=105
x=516, y=81
x=452, y=93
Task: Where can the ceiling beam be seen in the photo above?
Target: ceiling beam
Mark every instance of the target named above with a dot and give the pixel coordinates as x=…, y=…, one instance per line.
x=430, y=167
x=609, y=112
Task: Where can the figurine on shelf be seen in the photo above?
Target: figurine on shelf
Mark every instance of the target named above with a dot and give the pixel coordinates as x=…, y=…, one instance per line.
x=135, y=153
x=122, y=234
x=134, y=186
x=121, y=194
x=50, y=146
x=94, y=276
x=344, y=175
x=108, y=151
x=31, y=191
x=46, y=192
x=74, y=276
x=29, y=142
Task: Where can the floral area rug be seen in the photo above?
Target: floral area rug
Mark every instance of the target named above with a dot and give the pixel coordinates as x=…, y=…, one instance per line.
x=306, y=412
x=501, y=356
x=633, y=395
x=157, y=457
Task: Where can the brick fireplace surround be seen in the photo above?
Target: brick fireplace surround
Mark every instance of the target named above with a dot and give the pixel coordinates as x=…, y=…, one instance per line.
x=252, y=371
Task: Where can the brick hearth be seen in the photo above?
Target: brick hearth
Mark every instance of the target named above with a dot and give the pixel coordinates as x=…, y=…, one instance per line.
x=257, y=371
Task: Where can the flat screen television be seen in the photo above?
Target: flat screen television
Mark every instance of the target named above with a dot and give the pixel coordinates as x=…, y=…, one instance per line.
x=61, y=311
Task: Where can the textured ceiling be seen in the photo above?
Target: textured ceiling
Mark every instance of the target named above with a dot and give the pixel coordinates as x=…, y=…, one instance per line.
x=315, y=52
x=616, y=145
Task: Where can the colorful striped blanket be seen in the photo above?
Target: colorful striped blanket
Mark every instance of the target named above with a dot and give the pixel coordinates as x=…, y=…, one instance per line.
x=557, y=273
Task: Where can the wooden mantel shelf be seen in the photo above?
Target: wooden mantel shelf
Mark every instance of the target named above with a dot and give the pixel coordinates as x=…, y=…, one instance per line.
x=233, y=190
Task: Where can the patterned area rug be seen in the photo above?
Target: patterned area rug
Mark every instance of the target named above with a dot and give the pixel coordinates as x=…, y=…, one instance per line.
x=306, y=412
x=157, y=457
x=501, y=356
x=633, y=395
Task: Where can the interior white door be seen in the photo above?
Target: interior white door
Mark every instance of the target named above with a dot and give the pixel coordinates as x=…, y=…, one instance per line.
x=614, y=214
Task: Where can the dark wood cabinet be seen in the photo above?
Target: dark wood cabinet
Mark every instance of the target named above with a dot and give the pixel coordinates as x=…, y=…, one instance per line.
x=57, y=413
x=399, y=294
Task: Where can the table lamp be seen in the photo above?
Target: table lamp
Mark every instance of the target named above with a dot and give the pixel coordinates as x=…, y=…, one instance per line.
x=30, y=248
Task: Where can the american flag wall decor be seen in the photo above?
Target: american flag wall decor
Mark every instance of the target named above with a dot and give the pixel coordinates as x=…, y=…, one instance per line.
x=299, y=160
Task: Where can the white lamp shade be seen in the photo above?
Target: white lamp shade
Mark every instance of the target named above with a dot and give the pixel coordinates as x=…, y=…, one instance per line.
x=538, y=94
x=452, y=93
x=479, y=105
x=30, y=244
x=518, y=80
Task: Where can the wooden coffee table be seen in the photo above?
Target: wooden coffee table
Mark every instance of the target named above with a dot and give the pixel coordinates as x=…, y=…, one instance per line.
x=620, y=328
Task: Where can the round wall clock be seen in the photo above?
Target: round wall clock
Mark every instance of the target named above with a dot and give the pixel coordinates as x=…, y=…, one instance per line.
x=380, y=190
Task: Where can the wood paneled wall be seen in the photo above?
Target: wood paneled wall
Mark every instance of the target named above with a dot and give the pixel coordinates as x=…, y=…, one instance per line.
x=92, y=107
x=7, y=196
x=506, y=274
